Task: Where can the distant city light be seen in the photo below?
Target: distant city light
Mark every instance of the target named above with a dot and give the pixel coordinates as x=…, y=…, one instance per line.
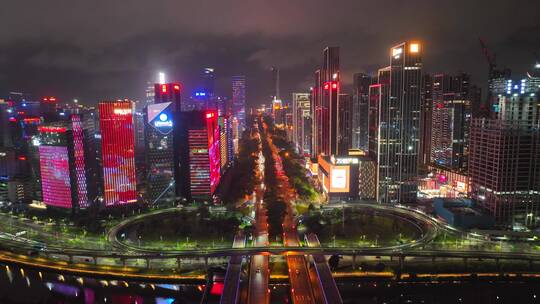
x=161, y=78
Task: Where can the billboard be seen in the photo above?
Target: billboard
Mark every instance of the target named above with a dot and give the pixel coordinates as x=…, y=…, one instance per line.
x=55, y=180
x=338, y=179
x=160, y=117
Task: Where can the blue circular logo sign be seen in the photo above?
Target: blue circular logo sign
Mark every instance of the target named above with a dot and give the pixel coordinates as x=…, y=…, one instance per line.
x=163, y=117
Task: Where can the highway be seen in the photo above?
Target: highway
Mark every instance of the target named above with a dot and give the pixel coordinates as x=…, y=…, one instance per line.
x=301, y=289
x=259, y=273
x=328, y=284
x=232, y=276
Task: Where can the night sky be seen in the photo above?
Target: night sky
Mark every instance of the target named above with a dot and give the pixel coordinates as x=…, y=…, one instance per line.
x=105, y=49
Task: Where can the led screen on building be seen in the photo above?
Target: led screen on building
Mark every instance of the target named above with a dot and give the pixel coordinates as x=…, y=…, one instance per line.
x=55, y=180
x=118, y=149
x=338, y=179
x=213, y=150
x=78, y=150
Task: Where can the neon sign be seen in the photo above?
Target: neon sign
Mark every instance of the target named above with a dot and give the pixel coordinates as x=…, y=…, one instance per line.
x=122, y=111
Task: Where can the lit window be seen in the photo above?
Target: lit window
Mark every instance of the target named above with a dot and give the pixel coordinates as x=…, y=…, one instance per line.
x=414, y=48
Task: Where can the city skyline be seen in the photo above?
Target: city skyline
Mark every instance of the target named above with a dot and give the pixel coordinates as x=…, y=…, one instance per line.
x=263, y=152
x=103, y=65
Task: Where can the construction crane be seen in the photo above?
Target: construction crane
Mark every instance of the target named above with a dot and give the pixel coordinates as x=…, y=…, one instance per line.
x=490, y=57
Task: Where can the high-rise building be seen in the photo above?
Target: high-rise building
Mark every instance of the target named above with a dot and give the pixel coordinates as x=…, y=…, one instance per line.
x=399, y=124
x=239, y=100
x=169, y=92
x=209, y=80
x=200, y=160
x=49, y=107
x=6, y=110
x=504, y=157
x=118, y=153
x=325, y=104
x=375, y=95
x=504, y=169
x=225, y=143
x=451, y=114
x=360, y=110
x=68, y=166
x=301, y=111
x=275, y=81
x=140, y=144
x=160, y=160
x=426, y=114
x=344, y=124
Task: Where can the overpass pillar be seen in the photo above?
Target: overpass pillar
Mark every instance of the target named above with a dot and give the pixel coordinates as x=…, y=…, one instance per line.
x=466, y=263
x=147, y=262
x=179, y=263
x=206, y=262
x=95, y=260
x=401, y=262
x=354, y=262
x=530, y=265
x=70, y=258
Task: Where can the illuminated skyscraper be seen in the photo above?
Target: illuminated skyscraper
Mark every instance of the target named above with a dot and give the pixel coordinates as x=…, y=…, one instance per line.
x=399, y=124
x=160, y=160
x=68, y=166
x=426, y=114
x=169, y=92
x=239, y=100
x=301, y=111
x=49, y=107
x=360, y=110
x=275, y=81
x=450, y=121
x=344, y=117
x=200, y=161
x=325, y=104
x=118, y=153
x=209, y=80
x=504, y=155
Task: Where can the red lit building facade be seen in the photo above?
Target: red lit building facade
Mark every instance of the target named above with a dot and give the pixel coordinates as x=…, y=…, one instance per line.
x=118, y=153
x=200, y=163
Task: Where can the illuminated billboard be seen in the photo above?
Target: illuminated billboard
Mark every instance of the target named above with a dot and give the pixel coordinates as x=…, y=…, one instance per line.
x=55, y=179
x=118, y=150
x=338, y=179
x=160, y=116
x=333, y=178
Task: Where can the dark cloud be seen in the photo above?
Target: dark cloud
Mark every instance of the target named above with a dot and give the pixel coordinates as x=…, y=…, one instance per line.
x=94, y=50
